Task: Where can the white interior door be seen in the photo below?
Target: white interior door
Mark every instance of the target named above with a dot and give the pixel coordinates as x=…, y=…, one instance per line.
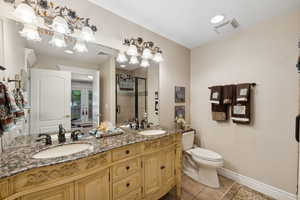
x=50, y=100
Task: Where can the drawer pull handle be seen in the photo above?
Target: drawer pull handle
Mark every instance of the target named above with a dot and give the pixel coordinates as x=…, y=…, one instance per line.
x=162, y=167
x=127, y=167
x=127, y=184
x=127, y=151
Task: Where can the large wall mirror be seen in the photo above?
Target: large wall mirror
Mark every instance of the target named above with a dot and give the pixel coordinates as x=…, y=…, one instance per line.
x=62, y=85
x=77, y=90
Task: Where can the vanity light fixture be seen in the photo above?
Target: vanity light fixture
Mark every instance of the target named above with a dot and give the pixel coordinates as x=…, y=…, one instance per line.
x=121, y=58
x=133, y=60
x=25, y=13
x=60, y=25
x=58, y=40
x=217, y=19
x=145, y=63
x=55, y=18
x=30, y=32
x=137, y=47
x=80, y=46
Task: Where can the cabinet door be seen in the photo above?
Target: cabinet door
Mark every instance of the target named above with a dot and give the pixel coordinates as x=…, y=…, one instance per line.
x=168, y=165
x=62, y=192
x=152, y=173
x=93, y=187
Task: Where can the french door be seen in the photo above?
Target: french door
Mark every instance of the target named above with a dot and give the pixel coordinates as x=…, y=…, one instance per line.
x=82, y=105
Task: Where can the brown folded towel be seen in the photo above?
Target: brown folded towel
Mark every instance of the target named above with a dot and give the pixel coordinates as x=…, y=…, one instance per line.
x=219, y=112
x=241, y=110
x=228, y=94
x=216, y=94
x=243, y=92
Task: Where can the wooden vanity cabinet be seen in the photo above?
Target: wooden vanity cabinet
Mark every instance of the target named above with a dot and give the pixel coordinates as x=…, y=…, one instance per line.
x=141, y=171
x=62, y=192
x=159, y=171
x=93, y=187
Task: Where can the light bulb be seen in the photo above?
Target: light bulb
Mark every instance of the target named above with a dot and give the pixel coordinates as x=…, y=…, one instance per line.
x=87, y=34
x=217, y=19
x=133, y=60
x=145, y=63
x=25, y=13
x=58, y=40
x=80, y=47
x=158, y=57
x=147, y=53
x=132, y=50
x=122, y=58
x=60, y=25
x=30, y=32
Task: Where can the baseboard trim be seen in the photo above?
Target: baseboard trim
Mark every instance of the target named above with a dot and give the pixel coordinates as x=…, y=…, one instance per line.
x=257, y=185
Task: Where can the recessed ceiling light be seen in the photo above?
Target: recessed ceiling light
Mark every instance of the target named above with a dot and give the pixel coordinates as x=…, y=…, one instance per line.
x=69, y=51
x=217, y=19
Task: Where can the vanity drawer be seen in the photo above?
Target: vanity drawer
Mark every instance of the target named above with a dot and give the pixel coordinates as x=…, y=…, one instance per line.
x=126, y=168
x=127, y=185
x=154, y=145
x=134, y=195
x=126, y=152
x=167, y=140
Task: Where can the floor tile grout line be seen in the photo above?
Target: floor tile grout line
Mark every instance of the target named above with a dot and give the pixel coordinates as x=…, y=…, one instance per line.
x=229, y=188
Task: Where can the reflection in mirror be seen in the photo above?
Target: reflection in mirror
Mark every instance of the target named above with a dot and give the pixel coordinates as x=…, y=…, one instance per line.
x=137, y=93
x=62, y=86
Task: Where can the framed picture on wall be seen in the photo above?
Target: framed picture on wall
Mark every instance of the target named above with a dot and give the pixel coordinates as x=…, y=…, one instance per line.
x=180, y=112
x=179, y=94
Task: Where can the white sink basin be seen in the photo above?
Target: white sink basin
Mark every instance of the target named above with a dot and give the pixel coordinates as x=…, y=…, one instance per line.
x=152, y=132
x=63, y=150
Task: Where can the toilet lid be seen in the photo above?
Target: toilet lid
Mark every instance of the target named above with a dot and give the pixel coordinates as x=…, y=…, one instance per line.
x=206, y=154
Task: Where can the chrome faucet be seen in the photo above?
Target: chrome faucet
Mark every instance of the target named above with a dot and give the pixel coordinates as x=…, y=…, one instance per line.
x=61, y=134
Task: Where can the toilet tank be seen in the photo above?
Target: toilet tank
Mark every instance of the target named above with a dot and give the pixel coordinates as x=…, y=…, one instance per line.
x=188, y=140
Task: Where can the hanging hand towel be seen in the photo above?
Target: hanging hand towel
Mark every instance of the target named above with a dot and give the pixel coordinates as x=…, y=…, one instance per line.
x=228, y=94
x=216, y=94
x=219, y=112
x=19, y=99
x=6, y=108
x=243, y=92
x=218, y=109
x=241, y=110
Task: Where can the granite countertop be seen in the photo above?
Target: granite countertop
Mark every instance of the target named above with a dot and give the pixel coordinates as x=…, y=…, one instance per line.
x=15, y=160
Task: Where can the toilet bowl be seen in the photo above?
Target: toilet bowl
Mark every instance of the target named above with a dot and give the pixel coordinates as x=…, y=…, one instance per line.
x=200, y=164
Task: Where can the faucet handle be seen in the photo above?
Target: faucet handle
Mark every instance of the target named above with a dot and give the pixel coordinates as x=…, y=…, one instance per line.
x=48, y=140
x=74, y=134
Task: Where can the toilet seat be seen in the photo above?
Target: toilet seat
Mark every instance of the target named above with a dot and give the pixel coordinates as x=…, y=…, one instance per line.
x=205, y=154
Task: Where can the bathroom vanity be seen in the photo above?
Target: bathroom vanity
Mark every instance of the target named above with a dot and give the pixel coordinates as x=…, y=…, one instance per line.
x=125, y=167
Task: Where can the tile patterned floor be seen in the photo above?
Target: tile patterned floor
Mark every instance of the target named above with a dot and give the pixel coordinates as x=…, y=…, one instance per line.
x=229, y=190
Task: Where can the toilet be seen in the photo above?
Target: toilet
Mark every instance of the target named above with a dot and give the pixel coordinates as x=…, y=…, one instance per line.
x=200, y=164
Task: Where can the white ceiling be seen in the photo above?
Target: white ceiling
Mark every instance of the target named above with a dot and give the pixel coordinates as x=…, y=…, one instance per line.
x=188, y=21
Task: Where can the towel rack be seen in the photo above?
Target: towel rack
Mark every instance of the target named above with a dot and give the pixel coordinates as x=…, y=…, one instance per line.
x=252, y=84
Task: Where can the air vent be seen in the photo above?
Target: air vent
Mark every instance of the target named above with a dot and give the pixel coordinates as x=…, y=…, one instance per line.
x=227, y=27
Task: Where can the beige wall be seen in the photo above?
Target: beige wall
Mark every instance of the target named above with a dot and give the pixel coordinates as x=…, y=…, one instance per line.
x=265, y=54
x=175, y=70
